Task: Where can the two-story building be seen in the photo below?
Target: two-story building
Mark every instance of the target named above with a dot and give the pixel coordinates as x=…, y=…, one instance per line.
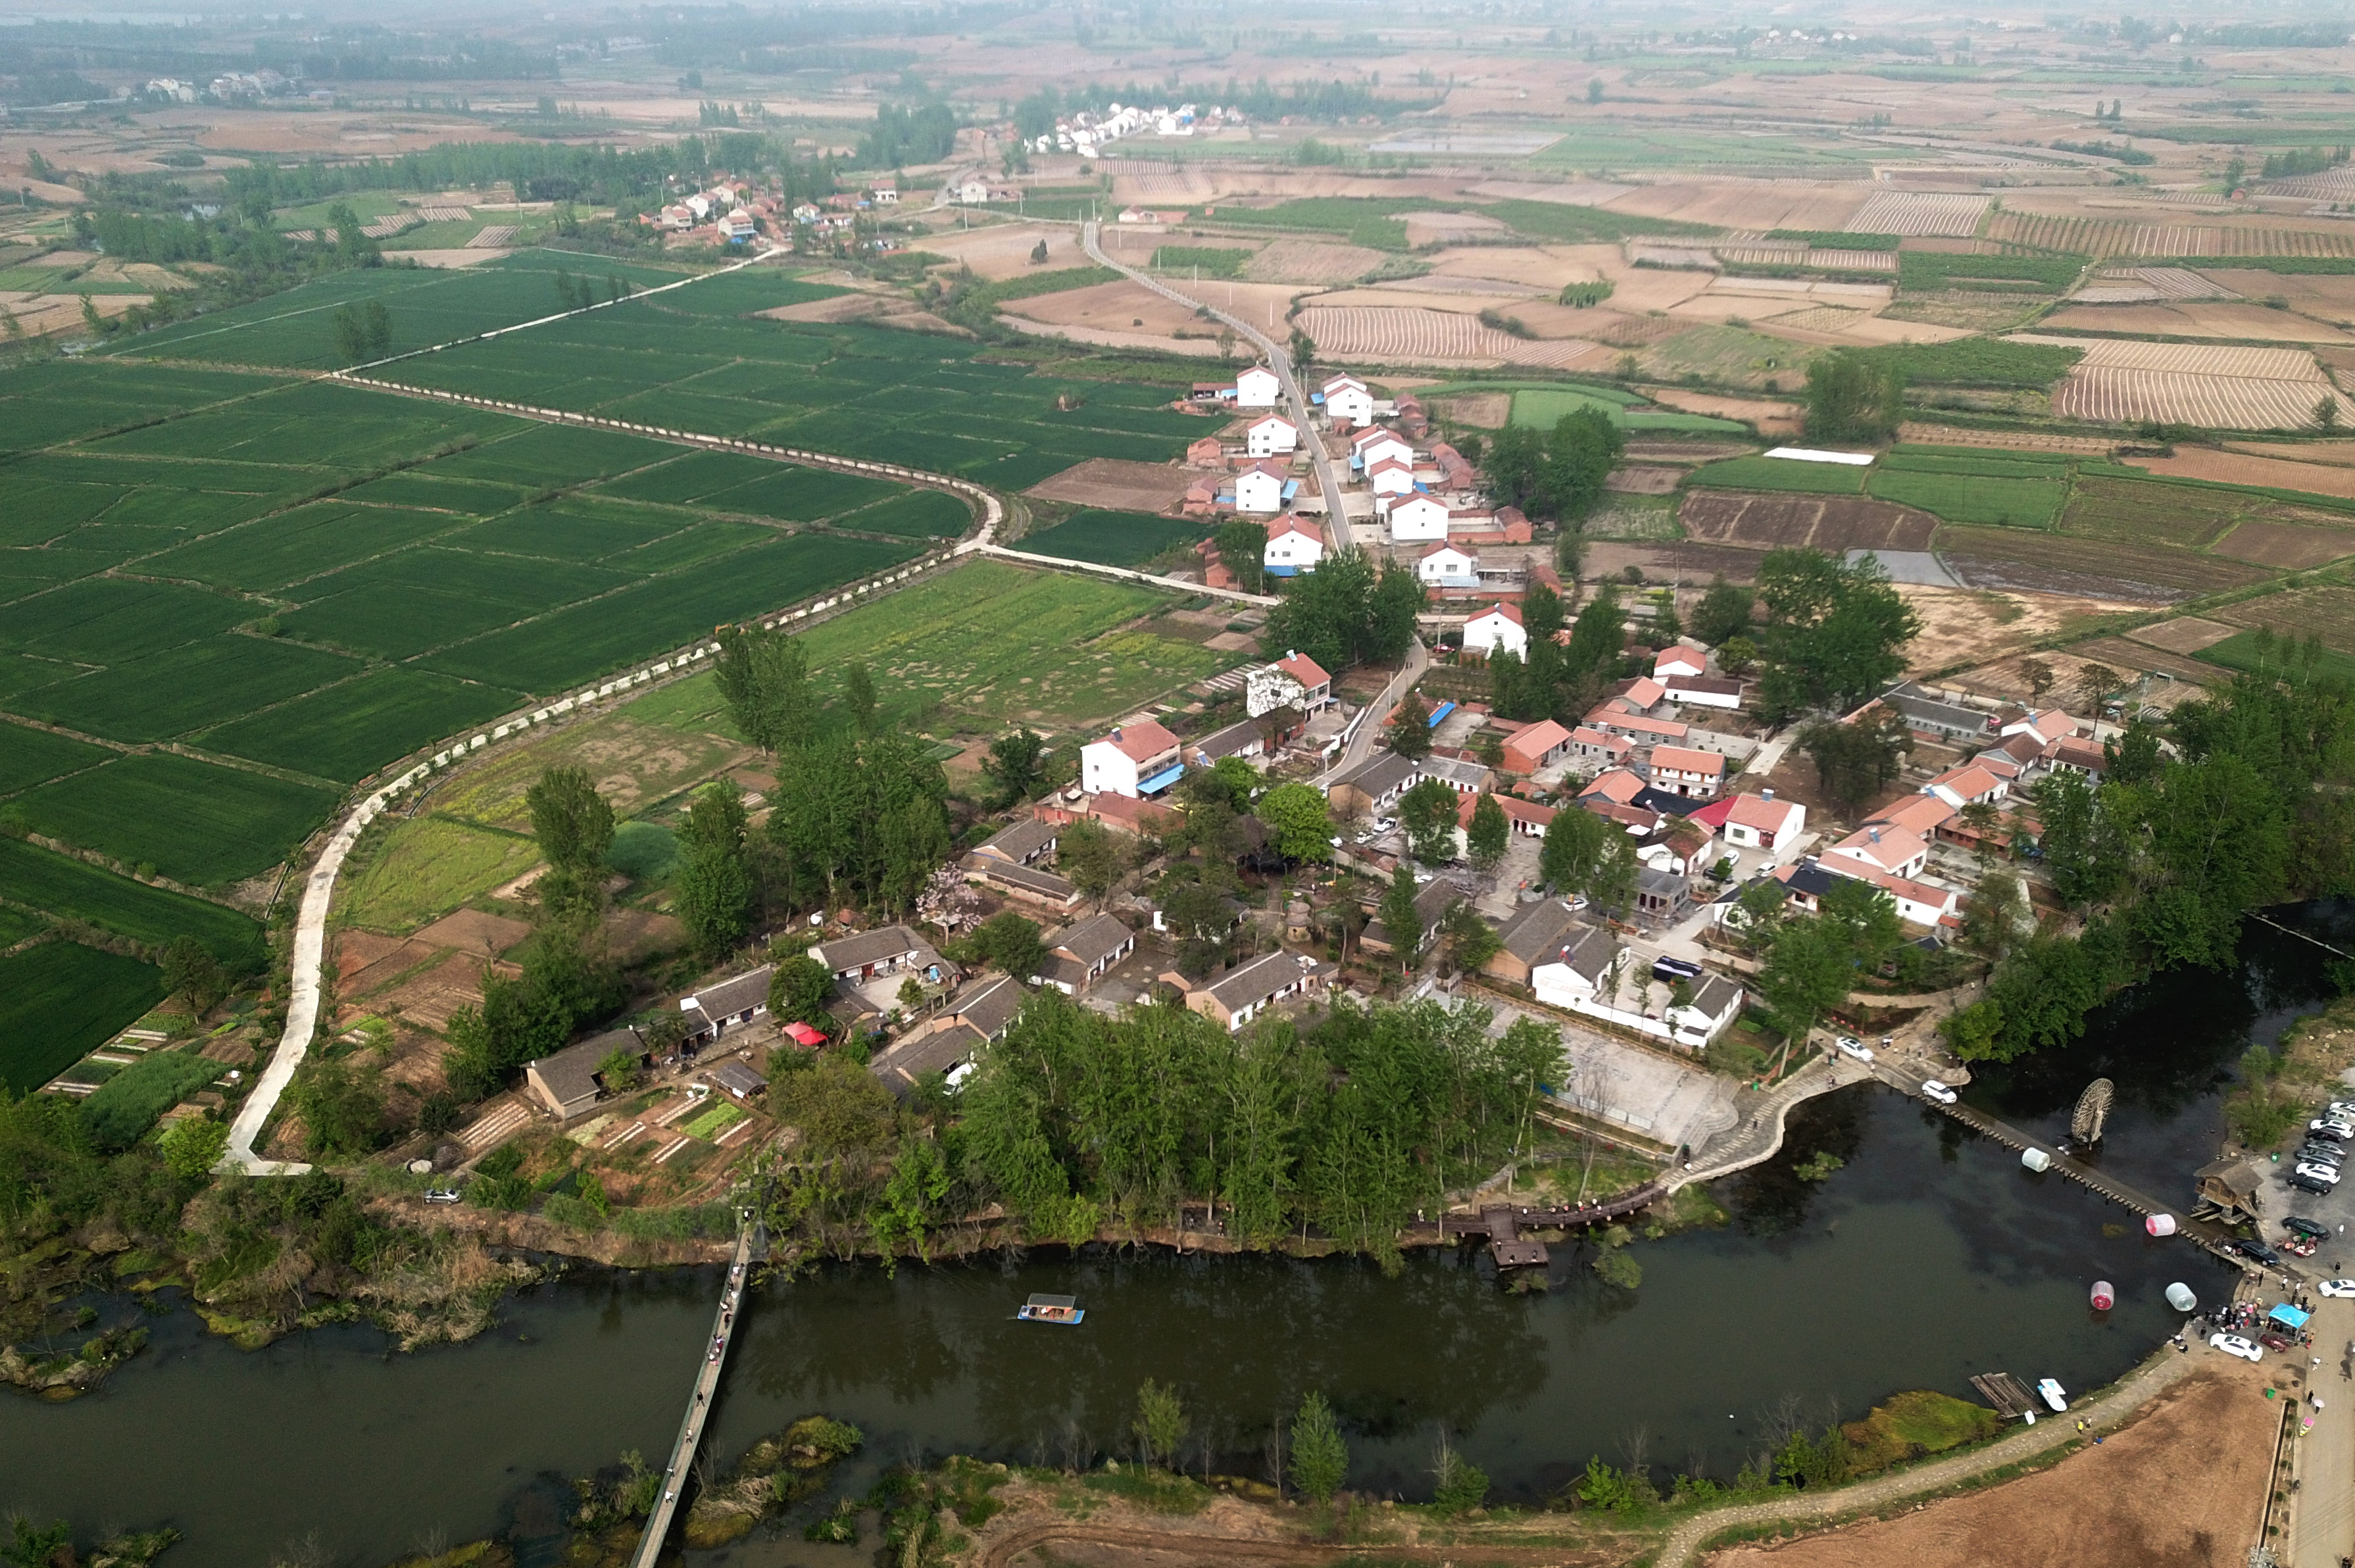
x=1498, y=629
x=1293, y=546
x=1682, y=771
x=1271, y=436
x=1138, y=759
x=1257, y=388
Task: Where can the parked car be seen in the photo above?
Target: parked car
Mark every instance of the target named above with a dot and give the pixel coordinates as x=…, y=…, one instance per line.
x=2273, y=1341
x=2255, y=1252
x=440, y=1195
x=2233, y=1345
x=2330, y=1127
x=1673, y=969
x=2337, y=1288
x=1934, y=1090
x=1851, y=1046
x=1385, y=824
x=2318, y=1173
x=2341, y=1108
x=2322, y=1154
x=2305, y=1185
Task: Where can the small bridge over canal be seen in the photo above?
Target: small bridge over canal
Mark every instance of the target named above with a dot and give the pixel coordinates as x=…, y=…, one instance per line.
x=1503, y=1224
x=751, y=1244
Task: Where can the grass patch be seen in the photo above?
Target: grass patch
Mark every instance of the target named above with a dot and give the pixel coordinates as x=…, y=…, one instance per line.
x=1980, y=361
x=1913, y=1424
x=127, y=1104
x=1544, y=407
x=2240, y=652
x=1941, y=270
x=425, y=867
x=59, y=1000
x=1207, y=261
x=2001, y=502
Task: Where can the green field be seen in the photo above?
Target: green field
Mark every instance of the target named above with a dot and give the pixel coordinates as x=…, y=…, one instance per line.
x=1938, y=270
x=58, y=1001
x=980, y=646
x=425, y=867
x=1779, y=474
x=348, y=731
x=62, y=885
x=195, y=822
x=2006, y=502
x=29, y=756
x=2240, y=652
x=1112, y=538
x=127, y=1103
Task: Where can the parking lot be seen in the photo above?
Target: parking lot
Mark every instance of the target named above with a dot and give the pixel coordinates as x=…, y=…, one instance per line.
x=2336, y=1208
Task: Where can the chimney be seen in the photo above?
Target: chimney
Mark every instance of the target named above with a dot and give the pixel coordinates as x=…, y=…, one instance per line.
x=1765, y=794
x=1876, y=834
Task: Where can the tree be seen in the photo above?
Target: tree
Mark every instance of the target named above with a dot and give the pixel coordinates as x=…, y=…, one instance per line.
x=1471, y=941
x=351, y=336
x=1992, y=915
x=1723, y=612
x=1808, y=969
x=342, y=1107
x=858, y=692
x=1320, y=1458
x=799, y=988
x=1458, y=1485
x=1400, y=919
x=571, y=822
x=1038, y=254
x=712, y=891
x=1572, y=850
x=1015, y=763
x=1161, y=1424
x=1428, y=811
x=1303, y=349
x=1011, y=944
x=1241, y=545
x=2326, y=411
x=619, y=1071
x=1088, y=858
x=2095, y=682
x=1488, y=835
x=192, y=1145
x=2082, y=850
x=1594, y=90
x=1834, y=631
x=192, y=973
x=1855, y=761
x=763, y=676
x=376, y=329
x=1737, y=656
x=1390, y=613
x=1854, y=396
x=1301, y=819
x=2038, y=676
x=1409, y=727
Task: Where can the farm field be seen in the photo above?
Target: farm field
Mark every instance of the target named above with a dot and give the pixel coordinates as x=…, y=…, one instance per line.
x=425, y=868
x=2124, y=381
x=61, y=999
x=1781, y=473
x=58, y=884
x=982, y=646
x=1413, y=335
x=2027, y=560
x=2326, y=611
x=1112, y=538
x=1828, y=522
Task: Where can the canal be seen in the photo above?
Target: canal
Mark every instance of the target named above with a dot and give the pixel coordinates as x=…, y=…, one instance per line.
x=1925, y=1256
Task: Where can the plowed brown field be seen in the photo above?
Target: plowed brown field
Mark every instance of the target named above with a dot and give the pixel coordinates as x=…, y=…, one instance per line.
x=1818, y=522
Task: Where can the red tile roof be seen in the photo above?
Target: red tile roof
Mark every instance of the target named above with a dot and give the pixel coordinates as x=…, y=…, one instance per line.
x=1142, y=741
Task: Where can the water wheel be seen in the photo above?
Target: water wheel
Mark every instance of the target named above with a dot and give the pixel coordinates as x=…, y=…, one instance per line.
x=2093, y=1110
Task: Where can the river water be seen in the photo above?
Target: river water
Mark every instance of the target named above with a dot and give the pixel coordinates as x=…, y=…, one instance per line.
x=1927, y=1256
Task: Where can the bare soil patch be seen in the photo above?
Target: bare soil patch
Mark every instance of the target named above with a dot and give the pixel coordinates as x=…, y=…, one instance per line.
x=1311, y=261
x=2001, y=440
x=2330, y=298
x=1817, y=522
x=366, y=961
x=2184, y=635
x=1538, y=266
x=2240, y=468
x=471, y=931
x=2088, y=568
x=1771, y=415
x=1778, y=204
x=1643, y=481
x=456, y=258
x=1117, y=484
x=2252, y=321
x=1484, y=410
x=429, y=998
x=2183, y=1487
x=1968, y=626
x=2284, y=545
x=1448, y=228
x=1119, y=307
x=2328, y=454
x=1004, y=251
x=2328, y=612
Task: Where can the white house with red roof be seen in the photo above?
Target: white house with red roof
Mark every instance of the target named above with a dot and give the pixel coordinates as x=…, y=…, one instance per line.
x=1135, y=759
x=1680, y=770
x=1370, y=446
x=1315, y=686
x=1293, y=547
x=1257, y=388
x=1261, y=487
x=1969, y=784
x=1497, y=628
x=1347, y=400
x=1417, y=520
x=2048, y=725
x=1890, y=849
x=1761, y=821
x=1272, y=436
x=1678, y=659
x=1389, y=476
x=1444, y=566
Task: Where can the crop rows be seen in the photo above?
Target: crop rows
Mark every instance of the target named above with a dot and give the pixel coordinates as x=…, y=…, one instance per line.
x=2124, y=237
x=59, y=1000
x=1919, y=212
x=1430, y=337
x=62, y=885
x=2124, y=396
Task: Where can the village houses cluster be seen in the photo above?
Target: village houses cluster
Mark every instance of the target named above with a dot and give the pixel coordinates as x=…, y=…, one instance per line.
x=731, y=211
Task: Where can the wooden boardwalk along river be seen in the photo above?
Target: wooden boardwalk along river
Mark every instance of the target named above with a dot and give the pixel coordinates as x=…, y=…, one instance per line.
x=698, y=1404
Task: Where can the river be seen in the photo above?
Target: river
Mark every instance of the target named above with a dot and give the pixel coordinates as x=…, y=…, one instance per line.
x=1928, y=1255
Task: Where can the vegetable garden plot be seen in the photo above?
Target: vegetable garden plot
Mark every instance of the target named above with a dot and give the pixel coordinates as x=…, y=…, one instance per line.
x=348, y=731
x=61, y=1000
x=292, y=546
x=574, y=644
x=1112, y=538
x=540, y=454
x=184, y=688
x=105, y=619
x=196, y=822
x=920, y=513
x=60, y=884
x=792, y=493
x=30, y=757
x=568, y=531
x=1779, y=474
x=38, y=510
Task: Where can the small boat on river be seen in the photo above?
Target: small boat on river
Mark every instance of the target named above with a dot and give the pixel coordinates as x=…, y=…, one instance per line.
x=1051, y=1309
x=2054, y=1394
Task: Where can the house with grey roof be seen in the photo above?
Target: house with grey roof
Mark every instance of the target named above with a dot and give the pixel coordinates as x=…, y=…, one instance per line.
x=1372, y=786
x=1027, y=884
x=1250, y=988
x=1431, y=902
x=869, y=955
x=1081, y=953
x=1534, y=934
x=1926, y=713
x=1024, y=843
x=566, y=1084
x=731, y=1003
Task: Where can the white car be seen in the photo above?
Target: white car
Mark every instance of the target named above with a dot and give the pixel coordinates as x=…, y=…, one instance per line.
x=1851, y=1046
x=2233, y=1345
x=2318, y=1173
x=2332, y=1127
x=2337, y=1288
x=1934, y=1090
